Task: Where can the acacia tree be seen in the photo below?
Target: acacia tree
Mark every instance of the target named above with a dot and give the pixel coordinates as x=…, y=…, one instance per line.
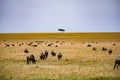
x=61, y=30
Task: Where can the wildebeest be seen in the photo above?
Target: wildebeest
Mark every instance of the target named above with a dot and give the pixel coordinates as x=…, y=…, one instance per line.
x=114, y=44
x=56, y=46
x=46, y=54
x=59, y=56
x=12, y=44
x=104, y=49
x=7, y=45
x=72, y=43
x=110, y=51
x=117, y=62
x=31, y=59
x=34, y=45
x=49, y=45
x=61, y=43
x=26, y=51
x=19, y=44
x=88, y=45
x=94, y=49
x=57, y=41
x=42, y=56
x=53, y=53
x=29, y=44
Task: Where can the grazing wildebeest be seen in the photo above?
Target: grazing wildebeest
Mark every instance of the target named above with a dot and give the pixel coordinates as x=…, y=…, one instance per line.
x=104, y=49
x=31, y=59
x=7, y=45
x=59, y=56
x=46, y=54
x=22, y=43
x=26, y=51
x=117, y=62
x=53, y=53
x=42, y=56
x=93, y=42
x=110, y=51
x=34, y=45
x=61, y=43
x=88, y=45
x=114, y=44
x=57, y=41
x=29, y=44
x=12, y=44
x=49, y=44
x=19, y=44
x=56, y=46
x=94, y=49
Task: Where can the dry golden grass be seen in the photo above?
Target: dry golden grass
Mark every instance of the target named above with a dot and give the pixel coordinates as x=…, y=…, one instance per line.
x=79, y=62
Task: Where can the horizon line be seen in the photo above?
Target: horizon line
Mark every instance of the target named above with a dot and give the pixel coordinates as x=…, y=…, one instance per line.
x=55, y=32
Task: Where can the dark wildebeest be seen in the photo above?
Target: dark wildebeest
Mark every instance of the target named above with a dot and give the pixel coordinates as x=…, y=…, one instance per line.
x=19, y=44
x=57, y=41
x=56, y=46
x=104, y=49
x=94, y=49
x=30, y=44
x=49, y=45
x=46, y=54
x=117, y=62
x=110, y=51
x=26, y=51
x=42, y=56
x=59, y=56
x=31, y=59
x=12, y=44
x=53, y=53
x=114, y=44
x=7, y=45
x=34, y=45
x=88, y=45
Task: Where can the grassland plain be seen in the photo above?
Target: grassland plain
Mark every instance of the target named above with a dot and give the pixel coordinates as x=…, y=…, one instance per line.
x=79, y=62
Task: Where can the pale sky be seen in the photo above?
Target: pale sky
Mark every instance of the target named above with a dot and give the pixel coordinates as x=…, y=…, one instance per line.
x=49, y=15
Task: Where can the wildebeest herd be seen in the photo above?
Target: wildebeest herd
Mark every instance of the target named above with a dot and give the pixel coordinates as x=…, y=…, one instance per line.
x=103, y=49
x=44, y=55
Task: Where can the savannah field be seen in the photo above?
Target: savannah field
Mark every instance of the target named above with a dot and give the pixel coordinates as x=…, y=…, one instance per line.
x=79, y=62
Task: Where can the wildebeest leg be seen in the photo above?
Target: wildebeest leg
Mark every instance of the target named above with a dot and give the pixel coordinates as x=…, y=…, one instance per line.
x=114, y=65
x=46, y=56
x=27, y=60
x=33, y=61
x=117, y=66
